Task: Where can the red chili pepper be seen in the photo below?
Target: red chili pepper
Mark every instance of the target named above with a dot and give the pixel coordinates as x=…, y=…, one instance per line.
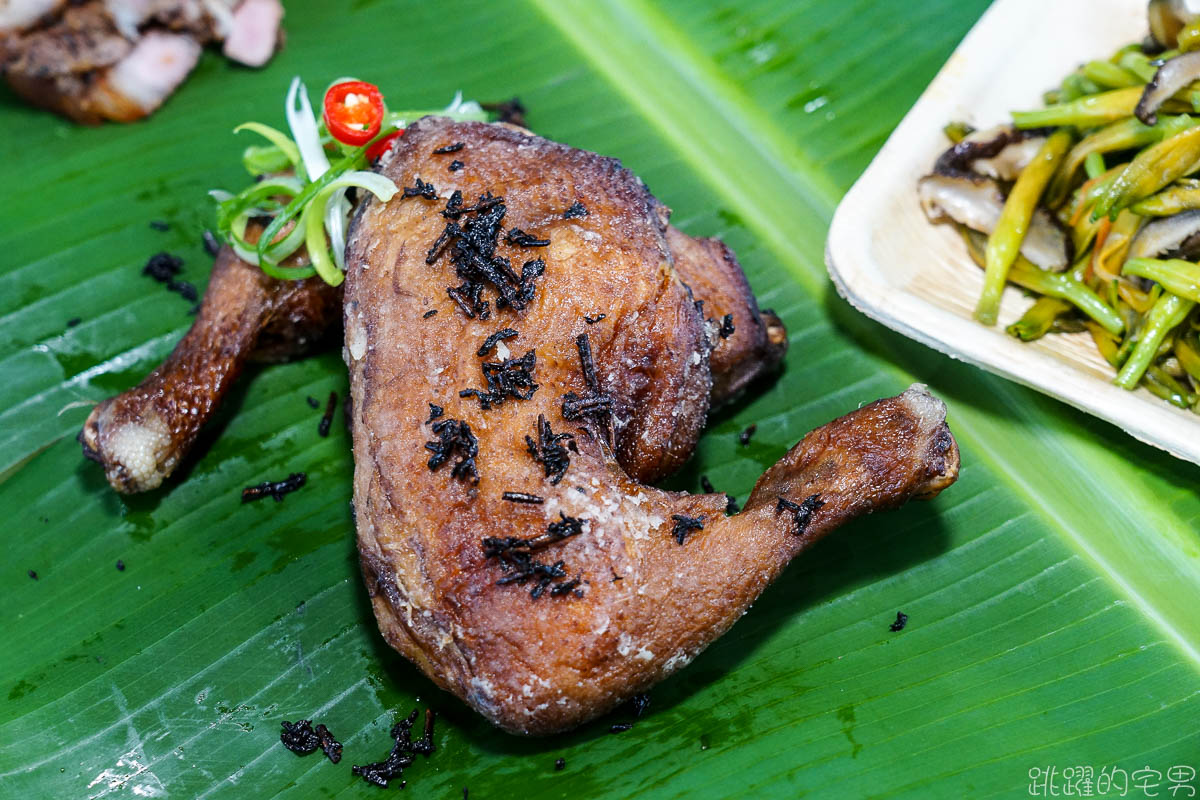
x=353, y=112
x=382, y=146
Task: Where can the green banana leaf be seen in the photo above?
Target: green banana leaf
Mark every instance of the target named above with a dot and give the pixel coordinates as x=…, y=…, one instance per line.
x=1051, y=593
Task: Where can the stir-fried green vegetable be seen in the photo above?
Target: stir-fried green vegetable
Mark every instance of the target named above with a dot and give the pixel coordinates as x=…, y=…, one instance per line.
x=1152, y=169
x=1005, y=241
x=302, y=183
x=1101, y=214
x=1087, y=111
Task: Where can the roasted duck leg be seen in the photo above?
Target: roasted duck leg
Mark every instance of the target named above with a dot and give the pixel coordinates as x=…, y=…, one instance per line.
x=140, y=436
x=503, y=434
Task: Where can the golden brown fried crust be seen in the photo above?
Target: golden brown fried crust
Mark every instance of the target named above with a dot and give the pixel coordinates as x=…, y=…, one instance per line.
x=293, y=316
x=657, y=415
x=751, y=343
x=140, y=436
x=645, y=605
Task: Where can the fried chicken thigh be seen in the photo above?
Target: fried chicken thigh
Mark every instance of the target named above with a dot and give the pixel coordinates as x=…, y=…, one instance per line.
x=141, y=435
x=504, y=432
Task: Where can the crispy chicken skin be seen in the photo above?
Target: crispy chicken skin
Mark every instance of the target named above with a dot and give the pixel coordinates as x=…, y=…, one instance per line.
x=716, y=279
x=660, y=574
x=263, y=320
x=140, y=436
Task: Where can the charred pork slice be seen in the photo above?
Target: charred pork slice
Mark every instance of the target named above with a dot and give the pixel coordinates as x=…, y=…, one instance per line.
x=510, y=546
x=140, y=436
x=120, y=59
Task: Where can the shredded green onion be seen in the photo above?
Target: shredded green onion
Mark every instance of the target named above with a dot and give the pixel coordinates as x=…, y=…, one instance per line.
x=313, y=200
x=314, y=218
x=284, y=147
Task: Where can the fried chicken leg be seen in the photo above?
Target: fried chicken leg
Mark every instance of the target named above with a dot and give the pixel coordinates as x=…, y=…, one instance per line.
x=140, y=436
x=712, y=272
x=252, y=317
x=507, y=538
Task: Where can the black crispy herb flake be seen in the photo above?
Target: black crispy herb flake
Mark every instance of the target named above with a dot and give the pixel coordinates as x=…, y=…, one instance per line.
x=404, y=752
x=577, y=209
x=512, y=377
x=490, y=341
x=301, y=738
x=33, y=575
x=429, y=313
x=329, y=745
x=706, y=485
x=312, y=402
x=901, y=621
x=455, y=165
x=472, y=251
x=73, y=321
x=276, y=489
x=454, y=440
x=455, y=209
x=522, y=239
x=530, y=271
x=801, y=512
x=435, y=411
x=523, y=568
x=450, y=148
x=421, y=189
x=522, y=497
x=327, y=417
x=685, y=525
x=560, y=764
x=744, y=436
x=159, y=225
x=595, y=319
x=594, y=406
x=516, y=559
x=726, y=330
x=547, y=451
x=566, y=587
x=185, y=290
x=620, y=727
x=120, y=565
x=163, y=267
x=504, y=547
x=512, y=111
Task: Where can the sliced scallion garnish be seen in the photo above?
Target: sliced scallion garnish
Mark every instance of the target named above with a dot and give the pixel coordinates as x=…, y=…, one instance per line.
x=314, y=200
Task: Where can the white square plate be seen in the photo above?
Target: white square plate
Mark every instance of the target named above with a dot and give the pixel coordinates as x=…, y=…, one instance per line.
x=893, y=265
